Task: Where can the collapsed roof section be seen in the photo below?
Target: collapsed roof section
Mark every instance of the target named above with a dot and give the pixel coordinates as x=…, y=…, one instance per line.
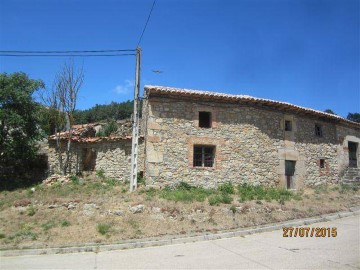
x=86, y=133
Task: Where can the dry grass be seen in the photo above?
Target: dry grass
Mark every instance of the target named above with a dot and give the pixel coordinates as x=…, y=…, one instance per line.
x=96, y=210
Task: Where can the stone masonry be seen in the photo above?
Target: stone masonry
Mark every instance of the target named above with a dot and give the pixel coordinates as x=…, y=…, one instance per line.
x=249, y=137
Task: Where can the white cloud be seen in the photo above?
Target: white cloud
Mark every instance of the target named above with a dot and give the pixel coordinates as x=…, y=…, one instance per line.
x=124, y=88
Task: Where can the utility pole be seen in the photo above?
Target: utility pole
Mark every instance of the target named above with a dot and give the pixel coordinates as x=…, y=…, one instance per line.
x=135, y=127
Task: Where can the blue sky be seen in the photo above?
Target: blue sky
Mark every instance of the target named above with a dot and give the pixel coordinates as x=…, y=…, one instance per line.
x=302, y=52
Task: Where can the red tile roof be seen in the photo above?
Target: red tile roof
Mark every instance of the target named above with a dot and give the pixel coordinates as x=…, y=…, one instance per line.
x=245, y=99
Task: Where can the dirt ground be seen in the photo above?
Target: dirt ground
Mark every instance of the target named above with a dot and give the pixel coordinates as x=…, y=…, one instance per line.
x=97, y=210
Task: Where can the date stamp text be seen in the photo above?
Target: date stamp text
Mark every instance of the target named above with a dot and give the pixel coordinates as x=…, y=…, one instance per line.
x=309, y=232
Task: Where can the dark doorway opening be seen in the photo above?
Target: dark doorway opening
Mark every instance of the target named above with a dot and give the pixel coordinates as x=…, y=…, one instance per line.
x=352, y=154
x=289, y=173
x=89, y=159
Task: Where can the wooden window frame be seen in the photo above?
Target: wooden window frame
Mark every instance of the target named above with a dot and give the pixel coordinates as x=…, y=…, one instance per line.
x=318, y=130
x=203, y=153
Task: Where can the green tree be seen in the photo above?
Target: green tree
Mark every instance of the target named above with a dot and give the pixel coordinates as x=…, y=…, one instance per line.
x=355, y=117
x=330, y=111
x=110, y=128
x=19, y=128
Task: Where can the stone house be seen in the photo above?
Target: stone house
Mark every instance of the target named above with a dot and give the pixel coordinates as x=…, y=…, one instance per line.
x=206, y=138
x=110, y=154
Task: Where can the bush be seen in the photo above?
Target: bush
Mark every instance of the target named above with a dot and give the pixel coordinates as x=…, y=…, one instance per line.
x=74, y=179
x=110, y=128
x=214, y=200
x=226, y=198
x=185, y=193
x=220, y=198
x=48, y=225
x=227, y=188
x=103, y=228
x=248, y=193
x=65, y=223
x=100, y=174
x=31, y=211
x=111, y=182
x=140, y=179
x=184, y=186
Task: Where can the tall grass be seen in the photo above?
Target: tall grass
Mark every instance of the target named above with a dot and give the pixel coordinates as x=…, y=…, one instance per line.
x=249, y=192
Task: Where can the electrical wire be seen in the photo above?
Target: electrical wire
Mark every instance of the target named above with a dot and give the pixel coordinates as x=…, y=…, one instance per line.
x=66, y=55
x=147, y=21
x=92, y=51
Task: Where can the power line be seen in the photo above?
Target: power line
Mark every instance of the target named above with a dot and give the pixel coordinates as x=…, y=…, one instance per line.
x=92, y=51
x=66, y=55
x=152, y=7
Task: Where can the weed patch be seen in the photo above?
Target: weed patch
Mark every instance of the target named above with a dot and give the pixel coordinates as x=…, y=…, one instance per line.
x=103, y=228
x=31, y=211
x=48, y=225
x=65, y=223
x=227, y=188
x=249, y=193
x=185, y=193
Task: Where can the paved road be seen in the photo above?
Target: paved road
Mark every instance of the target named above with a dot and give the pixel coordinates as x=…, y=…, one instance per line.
x=261, y=251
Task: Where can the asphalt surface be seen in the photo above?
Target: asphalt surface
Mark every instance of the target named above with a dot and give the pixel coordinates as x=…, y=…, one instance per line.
x=268, y=250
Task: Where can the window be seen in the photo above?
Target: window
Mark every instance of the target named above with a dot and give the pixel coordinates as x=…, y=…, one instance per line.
x=205, y=119
x=203, y=156
x=318, y=130
x=322, y=163
x=288, y=125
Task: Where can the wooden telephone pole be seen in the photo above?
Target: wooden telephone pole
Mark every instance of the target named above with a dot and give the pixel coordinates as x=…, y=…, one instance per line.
x=135, y=127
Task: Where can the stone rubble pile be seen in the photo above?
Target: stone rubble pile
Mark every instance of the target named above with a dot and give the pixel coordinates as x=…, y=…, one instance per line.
x=62, y=179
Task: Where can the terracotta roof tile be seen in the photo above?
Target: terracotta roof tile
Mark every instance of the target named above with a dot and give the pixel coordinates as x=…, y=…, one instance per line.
x=216, y=96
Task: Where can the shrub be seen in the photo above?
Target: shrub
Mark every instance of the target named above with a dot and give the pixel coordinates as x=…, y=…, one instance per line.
x=248, y=193
x=100, y=173
x=31, y=211
x=321, y=189
x=65, y=223
x=74, y=179
x=103, y=228
x=185, y=193
x=111, y=182
x=48, y=225
x=226, y=198
x=347, y=188
x=110, y=128
x=214, y=200
x=184, y=186
x=140, y=179
x=227, y=188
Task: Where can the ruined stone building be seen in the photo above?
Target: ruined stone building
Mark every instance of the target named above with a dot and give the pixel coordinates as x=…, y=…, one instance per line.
x=206, y=138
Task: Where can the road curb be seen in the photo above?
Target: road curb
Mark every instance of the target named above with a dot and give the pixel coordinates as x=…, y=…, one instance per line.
x=354, y=211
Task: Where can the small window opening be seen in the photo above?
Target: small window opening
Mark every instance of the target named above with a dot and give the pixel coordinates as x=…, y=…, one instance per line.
x=322, y=163
x=288, y=125
x=204, y=156
x=318, y=130
x=205, y=119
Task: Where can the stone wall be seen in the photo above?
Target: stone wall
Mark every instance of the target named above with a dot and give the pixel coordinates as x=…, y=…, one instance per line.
x=251, y=145
x=113, y=157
